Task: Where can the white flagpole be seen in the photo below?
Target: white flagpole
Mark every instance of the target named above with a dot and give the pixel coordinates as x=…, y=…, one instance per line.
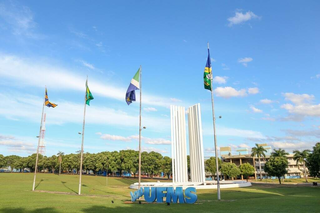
x=140, y=129
x=215, y=138
x=84, y=122
x=36, y=166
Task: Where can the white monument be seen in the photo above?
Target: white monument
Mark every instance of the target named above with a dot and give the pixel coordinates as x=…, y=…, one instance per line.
x=179, y=153
x=197, y=170
x=178, y=145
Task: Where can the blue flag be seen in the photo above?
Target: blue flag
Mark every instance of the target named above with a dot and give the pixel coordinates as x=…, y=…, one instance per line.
x=134, y=85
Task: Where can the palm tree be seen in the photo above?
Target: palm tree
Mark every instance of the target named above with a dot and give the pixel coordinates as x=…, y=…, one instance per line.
x=60, y=154
x=279, y=153
x=300, y=157
x=258, y=151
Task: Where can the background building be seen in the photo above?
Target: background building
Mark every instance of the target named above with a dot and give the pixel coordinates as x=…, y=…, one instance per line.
x=243, y=155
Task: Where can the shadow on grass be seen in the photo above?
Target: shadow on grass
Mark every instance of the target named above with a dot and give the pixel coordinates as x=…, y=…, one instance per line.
x=23, y=210
x=38, y=184
x=64, y=184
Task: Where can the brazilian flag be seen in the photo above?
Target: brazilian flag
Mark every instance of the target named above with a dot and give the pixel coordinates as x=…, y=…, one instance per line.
x=207, y=73
x=89, y=95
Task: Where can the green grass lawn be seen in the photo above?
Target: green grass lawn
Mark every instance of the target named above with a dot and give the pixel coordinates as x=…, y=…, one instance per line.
x=16, y=196
x=300, y=180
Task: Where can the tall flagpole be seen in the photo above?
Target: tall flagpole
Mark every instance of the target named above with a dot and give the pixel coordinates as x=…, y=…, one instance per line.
x=84, y=122
x=36, y=167
x=140, y=129
x=215, y=138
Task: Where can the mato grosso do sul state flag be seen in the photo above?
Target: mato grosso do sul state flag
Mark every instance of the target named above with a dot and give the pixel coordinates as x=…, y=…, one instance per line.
x=89, y=95
x=133, y=86
x=47, y=102
x=207, y=75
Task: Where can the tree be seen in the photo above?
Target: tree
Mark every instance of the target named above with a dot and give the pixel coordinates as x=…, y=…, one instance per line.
x=2, y=161
x=230, y=169
x=276, y=166
x=60, y=154
x=313, y=161
x=258, y=151
x=279, y=153
x=21, y=163
x=11, y=160
x=210, y=165
x=301, y=157
x=247, y=170
x=151, y=163
x=166, y=166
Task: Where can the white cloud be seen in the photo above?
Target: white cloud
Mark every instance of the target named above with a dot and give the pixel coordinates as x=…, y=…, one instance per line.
x=245, y=61
x=228, y=92
x=175, y=100
x=290, y=146
x=99, y=44
x=86, y=64
x=29, y=107
x=211, y=150
x=19, y=19
x=268, y=119
x=115, y=138
x=22, y=72
x=150, y=109
x=220, y=79
x=301, y=106
x=255, y=110
x=240, y=17
x=14, y=144
x=157, y=141
x=317, y=76
x=146, y=140
x=304, y=133
x=253, y=90
x=298, y=99
x=242, y=133
x=266, y=101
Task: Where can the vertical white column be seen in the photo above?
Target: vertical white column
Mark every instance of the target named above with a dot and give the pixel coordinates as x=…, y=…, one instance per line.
x=178, y=144
x=196, y=145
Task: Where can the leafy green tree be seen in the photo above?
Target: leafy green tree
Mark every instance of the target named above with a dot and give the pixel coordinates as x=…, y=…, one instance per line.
x=247, y=170
x=166, y=166
x=210, y=165
x=151, y=163
x=21, y=163
x=89, y=162
x=31, y=162
x=279, y=153
x=230, y=169
x=60, y=155
x=258, y=151
x=313, y=161
x=11, y=160
x=2, y=161
x=301, y=157
x=276, y=166
x=52, y=163
x=114, y=164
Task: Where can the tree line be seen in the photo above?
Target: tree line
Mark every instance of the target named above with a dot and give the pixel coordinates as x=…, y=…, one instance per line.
x=153, y=163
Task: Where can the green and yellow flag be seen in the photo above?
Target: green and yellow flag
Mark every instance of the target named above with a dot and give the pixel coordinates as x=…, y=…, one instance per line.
x=89, y=95
x=207, y=73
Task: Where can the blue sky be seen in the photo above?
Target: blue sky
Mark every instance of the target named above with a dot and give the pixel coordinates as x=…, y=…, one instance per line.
x=265, y=60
